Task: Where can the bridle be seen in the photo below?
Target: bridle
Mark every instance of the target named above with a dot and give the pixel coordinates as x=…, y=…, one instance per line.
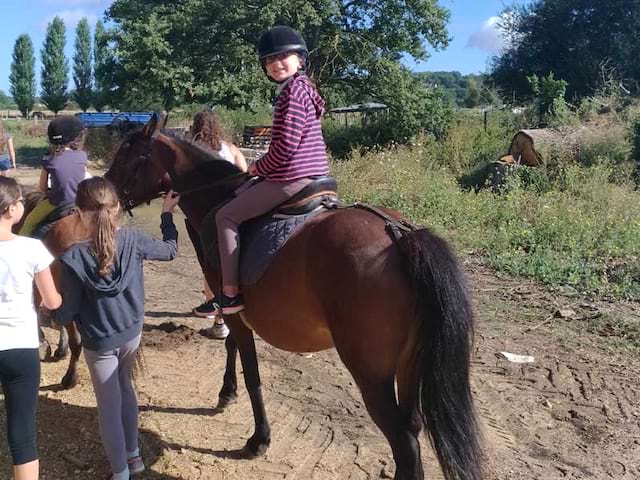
x=144, y=161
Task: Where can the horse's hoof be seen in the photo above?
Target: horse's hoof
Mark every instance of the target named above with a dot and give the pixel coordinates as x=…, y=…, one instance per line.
x=45, y=352
x=60, y=354
x=255, y=447
x=226, y=400
x=69, y=381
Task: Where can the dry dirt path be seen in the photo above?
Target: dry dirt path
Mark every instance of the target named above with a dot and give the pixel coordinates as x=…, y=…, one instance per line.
x=573, y=414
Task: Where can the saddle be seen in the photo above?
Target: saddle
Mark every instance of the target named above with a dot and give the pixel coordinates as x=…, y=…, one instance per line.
x=59, y=213
x=262, y=237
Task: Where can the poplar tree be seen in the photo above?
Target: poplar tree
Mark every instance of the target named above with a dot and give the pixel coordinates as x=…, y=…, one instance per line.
x=55, y=68
x=100, y=61
x=22, y=77
x=82, y=66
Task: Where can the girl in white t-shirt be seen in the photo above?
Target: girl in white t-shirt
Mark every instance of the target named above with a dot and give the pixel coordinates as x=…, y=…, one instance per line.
x=22, y=260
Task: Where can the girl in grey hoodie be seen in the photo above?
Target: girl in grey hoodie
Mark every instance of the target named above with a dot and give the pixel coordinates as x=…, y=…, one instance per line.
x=103, y=292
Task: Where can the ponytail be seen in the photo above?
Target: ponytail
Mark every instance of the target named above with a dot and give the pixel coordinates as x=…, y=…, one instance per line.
x=97, y=197
x=104, y=240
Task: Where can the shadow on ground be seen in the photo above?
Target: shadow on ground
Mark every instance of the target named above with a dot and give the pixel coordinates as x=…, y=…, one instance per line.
x=70, y=447
x=30, y=156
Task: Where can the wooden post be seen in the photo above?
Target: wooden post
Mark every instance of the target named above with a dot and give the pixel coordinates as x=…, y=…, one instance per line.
x=485, y=112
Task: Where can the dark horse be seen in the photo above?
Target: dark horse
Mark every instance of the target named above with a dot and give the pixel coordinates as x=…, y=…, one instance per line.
x=395, y=310
x=61, y=236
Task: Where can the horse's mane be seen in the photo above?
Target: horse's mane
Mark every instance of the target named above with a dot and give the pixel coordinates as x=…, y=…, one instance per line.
x=204, y=159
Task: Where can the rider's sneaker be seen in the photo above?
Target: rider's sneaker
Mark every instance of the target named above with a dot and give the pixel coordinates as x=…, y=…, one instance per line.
x=136, y=465
x=206, y=309
x=219, y=331
x=229, y=305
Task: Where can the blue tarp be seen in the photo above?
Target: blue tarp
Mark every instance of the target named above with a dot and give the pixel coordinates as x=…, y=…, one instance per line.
x=103, y=119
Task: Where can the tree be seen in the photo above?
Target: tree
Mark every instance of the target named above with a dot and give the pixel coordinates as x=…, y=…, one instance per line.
x=572, y=38
x=22, y=77
x=5, y=100
x=83, y=94
x=473, y=96
x=548, y=98
x=55, y=68
x=204, y=50
x=413, y=108
x=102, y=60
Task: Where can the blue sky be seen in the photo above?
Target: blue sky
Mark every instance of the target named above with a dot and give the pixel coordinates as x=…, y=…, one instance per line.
x=474, y=38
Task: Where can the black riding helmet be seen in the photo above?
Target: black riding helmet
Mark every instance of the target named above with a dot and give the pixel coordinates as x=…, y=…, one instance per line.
x=64, y=129
x=281, y=39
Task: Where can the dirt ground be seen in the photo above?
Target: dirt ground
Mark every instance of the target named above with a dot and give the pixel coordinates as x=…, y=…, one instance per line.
x=572, y=414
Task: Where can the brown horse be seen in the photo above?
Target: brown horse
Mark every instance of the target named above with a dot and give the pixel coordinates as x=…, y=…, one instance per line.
x=61, y=236
x=396, y=310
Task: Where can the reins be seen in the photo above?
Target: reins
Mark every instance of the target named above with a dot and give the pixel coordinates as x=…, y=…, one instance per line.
x=144, y=161
x=217, y=183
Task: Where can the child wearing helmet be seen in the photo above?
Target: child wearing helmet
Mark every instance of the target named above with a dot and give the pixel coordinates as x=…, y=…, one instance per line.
x=65, y=167
x=297, y=152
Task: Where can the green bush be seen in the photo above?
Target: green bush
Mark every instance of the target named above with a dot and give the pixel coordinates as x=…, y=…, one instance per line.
x=101, y=144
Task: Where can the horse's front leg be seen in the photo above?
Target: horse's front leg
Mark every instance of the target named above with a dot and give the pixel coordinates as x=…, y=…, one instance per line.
x=261, y=438
x=70, y=378
x=229, y=392
x=44, y=348
x=63, y=344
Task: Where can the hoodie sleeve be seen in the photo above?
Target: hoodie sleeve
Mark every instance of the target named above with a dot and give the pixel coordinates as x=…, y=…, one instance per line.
x=289, y=120
x=71, y=287
x=165, y=249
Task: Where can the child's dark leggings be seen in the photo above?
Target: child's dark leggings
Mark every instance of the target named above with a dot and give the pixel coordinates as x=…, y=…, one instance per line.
x=20, y=377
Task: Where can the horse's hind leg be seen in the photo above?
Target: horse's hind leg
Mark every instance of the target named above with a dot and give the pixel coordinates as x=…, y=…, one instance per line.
x=228, y=393
x=70, y=378
x=380, y=400
x=63, y=344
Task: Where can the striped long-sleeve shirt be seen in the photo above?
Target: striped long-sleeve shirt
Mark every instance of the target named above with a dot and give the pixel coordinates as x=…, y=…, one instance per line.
x=297, y=148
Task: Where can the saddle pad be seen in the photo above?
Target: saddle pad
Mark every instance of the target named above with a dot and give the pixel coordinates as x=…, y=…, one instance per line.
x=260, y=241
x=59, y=213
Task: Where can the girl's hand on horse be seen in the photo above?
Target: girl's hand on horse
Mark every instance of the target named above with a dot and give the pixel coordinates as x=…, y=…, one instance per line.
x=170, y=201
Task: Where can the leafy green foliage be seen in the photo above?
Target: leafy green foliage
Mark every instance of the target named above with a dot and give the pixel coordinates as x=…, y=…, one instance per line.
x=549, y=102
x=22, y=77
x=574, y=39
x=203, y=51
x=54, y=75
x=83, y=94
x=102, y=59
x=5, y=100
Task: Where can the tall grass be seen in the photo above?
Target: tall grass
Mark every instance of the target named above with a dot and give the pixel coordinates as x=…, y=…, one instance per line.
x=581, y=229
x=29, y=141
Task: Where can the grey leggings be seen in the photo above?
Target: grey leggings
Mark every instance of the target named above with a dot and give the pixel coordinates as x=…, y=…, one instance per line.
x=249, y=204
x=117, y=403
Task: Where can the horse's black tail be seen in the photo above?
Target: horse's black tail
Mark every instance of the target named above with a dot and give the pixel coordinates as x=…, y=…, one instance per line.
x=443, y=350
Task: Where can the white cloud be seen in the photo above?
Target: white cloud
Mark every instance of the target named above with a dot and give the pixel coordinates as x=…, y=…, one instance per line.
x=71, y=18
x=489, y=38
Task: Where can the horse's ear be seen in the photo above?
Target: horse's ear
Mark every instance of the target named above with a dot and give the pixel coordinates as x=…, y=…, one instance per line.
x=151, y=126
